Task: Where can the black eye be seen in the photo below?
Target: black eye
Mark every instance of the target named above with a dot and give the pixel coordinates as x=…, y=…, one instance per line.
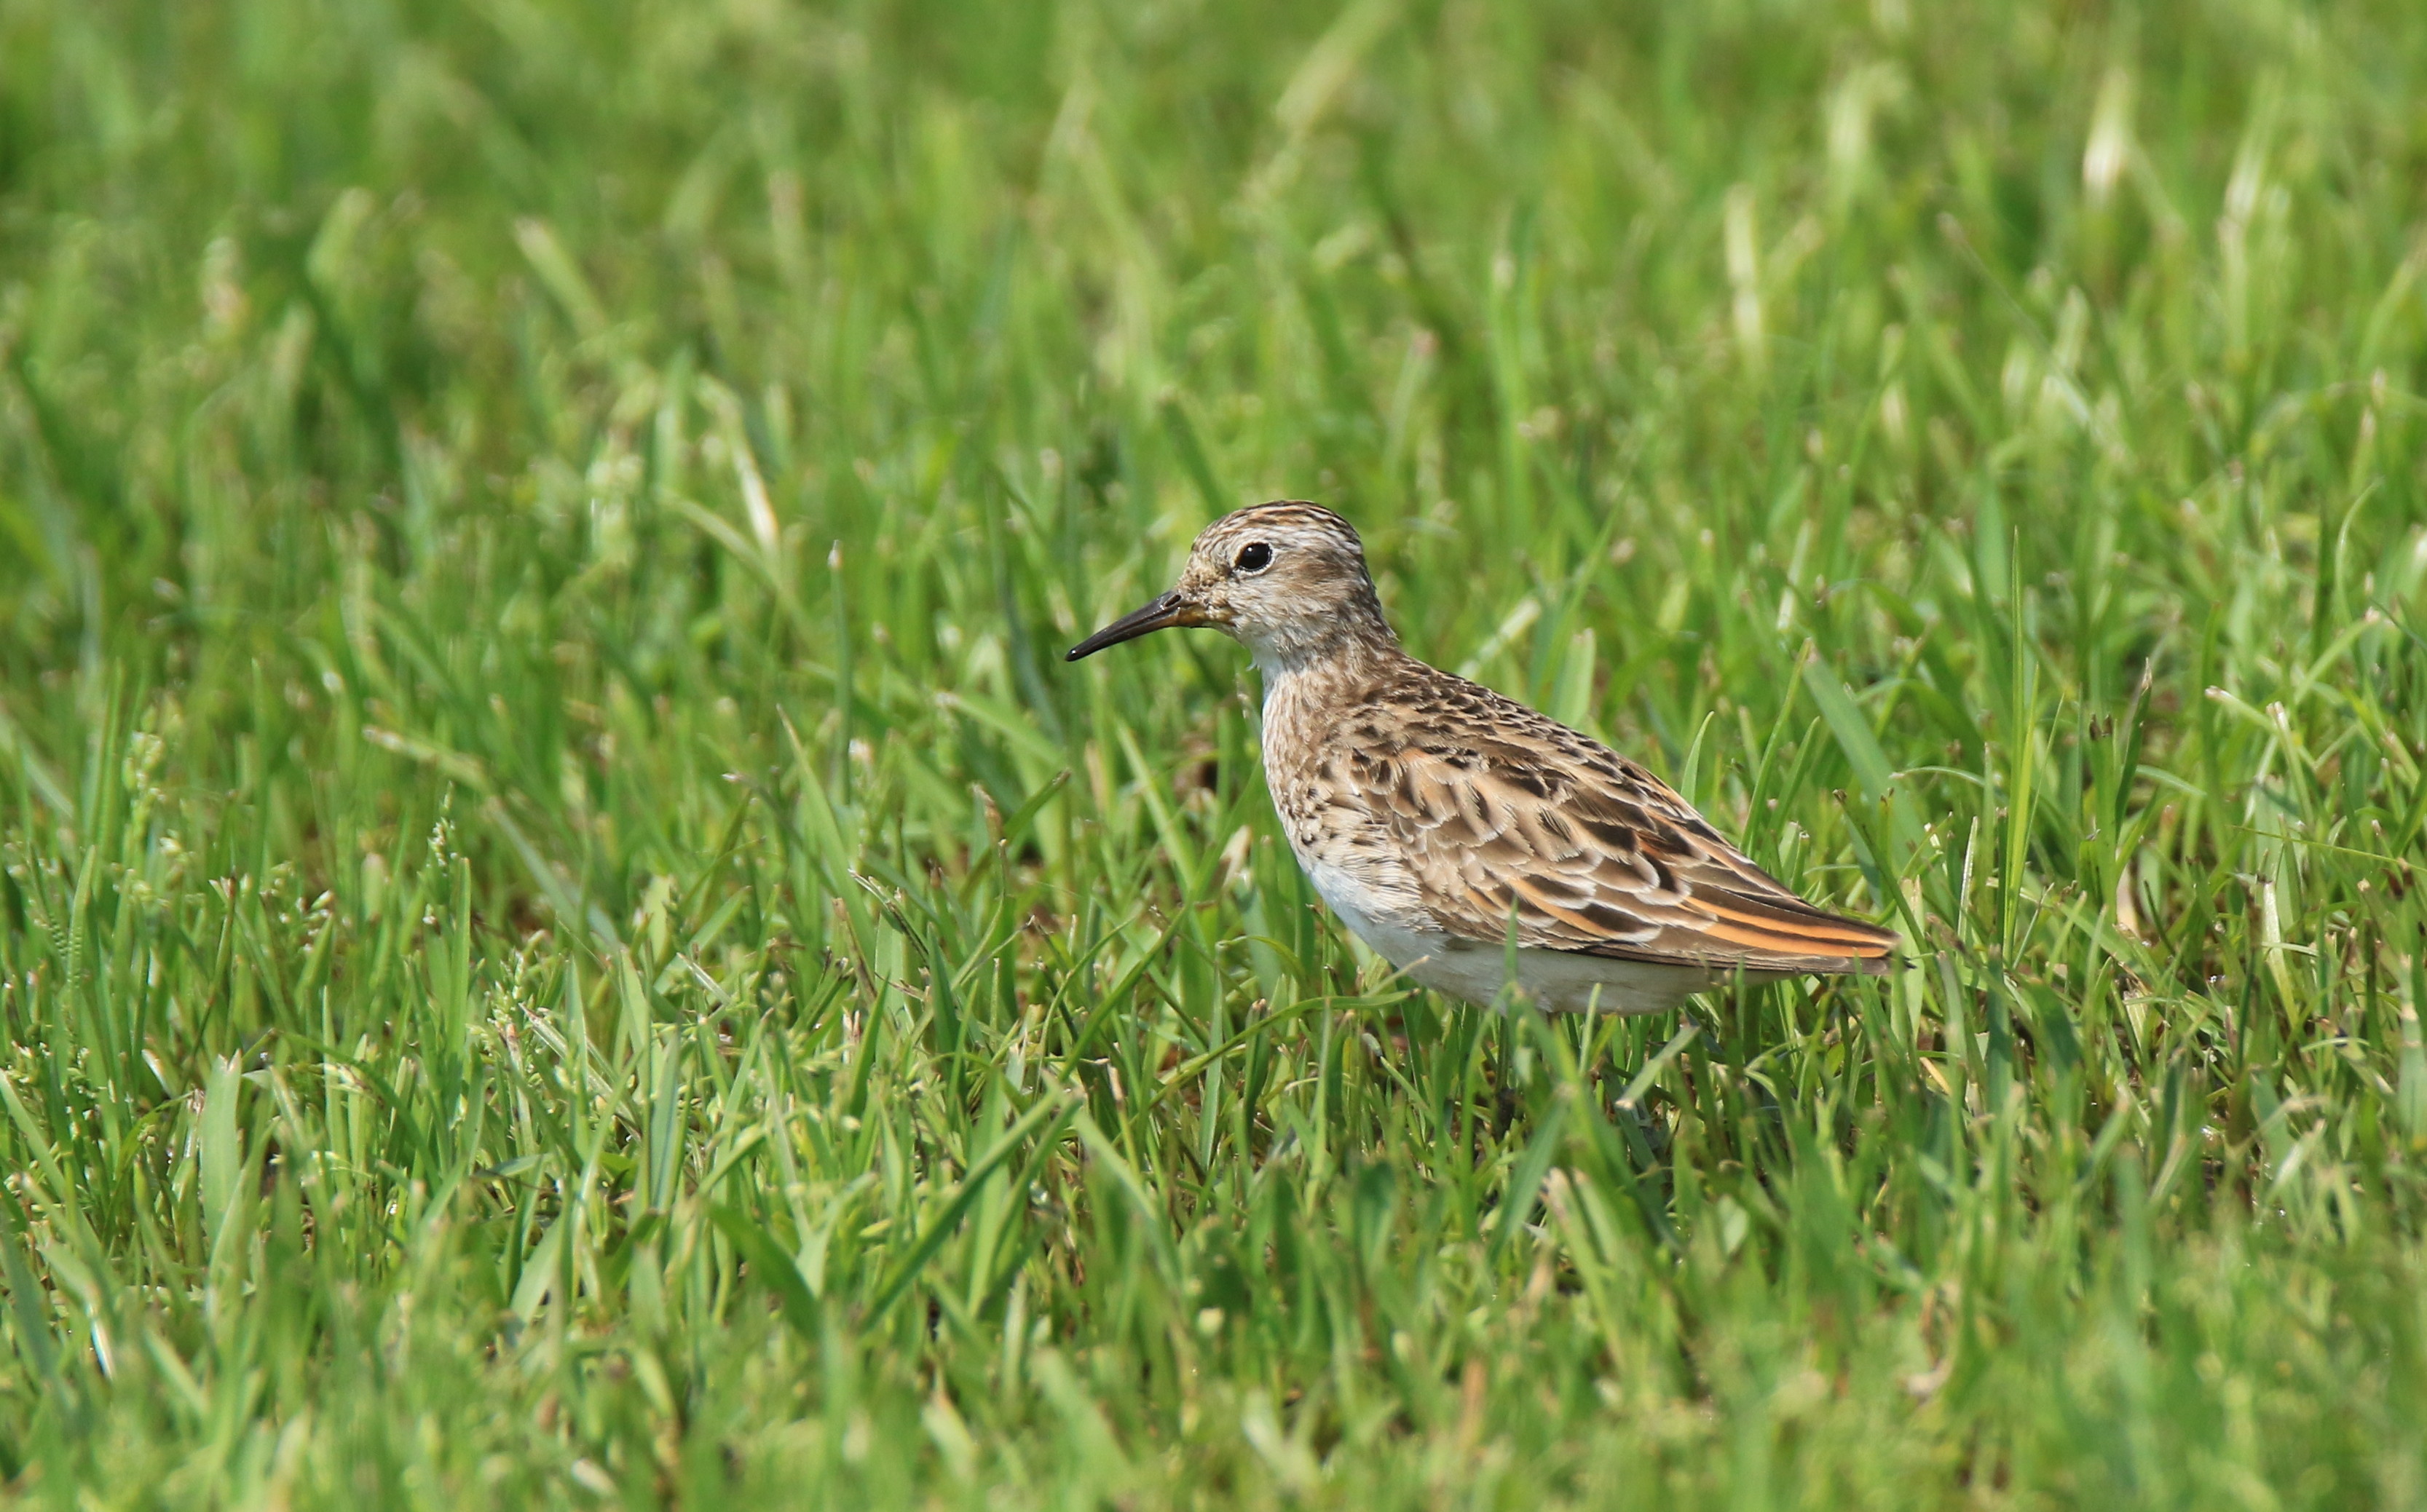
x=1254, y=557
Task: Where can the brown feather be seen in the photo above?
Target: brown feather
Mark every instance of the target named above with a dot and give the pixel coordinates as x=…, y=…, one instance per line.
x=1499, y=816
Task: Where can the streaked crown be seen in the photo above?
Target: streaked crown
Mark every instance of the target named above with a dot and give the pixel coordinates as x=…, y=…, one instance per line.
x=1287, y=581
x=1286, y=578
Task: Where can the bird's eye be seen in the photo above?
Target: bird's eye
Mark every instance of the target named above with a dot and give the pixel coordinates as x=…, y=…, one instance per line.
x=1254, y=557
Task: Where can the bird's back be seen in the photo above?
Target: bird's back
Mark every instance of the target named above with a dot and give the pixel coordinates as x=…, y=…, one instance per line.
x=1454, y=809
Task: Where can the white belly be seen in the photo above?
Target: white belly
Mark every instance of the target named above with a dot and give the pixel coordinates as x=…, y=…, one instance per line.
x=1561, y=981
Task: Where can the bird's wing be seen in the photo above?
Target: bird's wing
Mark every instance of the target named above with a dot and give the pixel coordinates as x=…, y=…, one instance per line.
x=1506, y=818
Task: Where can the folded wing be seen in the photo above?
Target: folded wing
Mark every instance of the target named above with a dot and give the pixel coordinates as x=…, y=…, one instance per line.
x=1520, y=822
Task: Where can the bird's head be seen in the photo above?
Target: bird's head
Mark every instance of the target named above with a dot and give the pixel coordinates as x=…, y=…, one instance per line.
x=1287, y=581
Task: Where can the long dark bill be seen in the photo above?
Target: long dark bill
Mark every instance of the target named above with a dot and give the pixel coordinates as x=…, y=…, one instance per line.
x=1165, y=611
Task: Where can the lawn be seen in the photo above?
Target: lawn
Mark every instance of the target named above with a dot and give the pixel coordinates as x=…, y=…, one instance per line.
x=567, y=939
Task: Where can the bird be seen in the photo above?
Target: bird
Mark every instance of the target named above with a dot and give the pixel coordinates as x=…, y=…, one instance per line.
x=1470, y=842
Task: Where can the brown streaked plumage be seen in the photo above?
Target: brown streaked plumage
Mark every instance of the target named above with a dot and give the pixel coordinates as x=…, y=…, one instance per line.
x=1446, y=825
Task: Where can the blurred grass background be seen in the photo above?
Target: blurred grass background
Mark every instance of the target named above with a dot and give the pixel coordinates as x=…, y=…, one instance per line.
x=566, y=939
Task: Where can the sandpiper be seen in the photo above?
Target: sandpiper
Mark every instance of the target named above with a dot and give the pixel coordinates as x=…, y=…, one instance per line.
x=1455, y=831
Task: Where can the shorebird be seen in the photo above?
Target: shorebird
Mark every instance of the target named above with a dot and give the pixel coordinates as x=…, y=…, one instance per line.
x=1469, y=841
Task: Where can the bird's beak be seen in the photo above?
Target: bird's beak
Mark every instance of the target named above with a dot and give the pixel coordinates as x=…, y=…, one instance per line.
x=1164, y=612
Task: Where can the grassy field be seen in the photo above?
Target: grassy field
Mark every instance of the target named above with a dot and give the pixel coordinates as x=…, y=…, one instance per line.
x=566, y=939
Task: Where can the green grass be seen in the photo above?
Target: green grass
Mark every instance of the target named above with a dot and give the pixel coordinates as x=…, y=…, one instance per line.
x=566, y=939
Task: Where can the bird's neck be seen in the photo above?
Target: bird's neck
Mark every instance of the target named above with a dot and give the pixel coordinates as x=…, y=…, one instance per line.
x=1352, y=648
